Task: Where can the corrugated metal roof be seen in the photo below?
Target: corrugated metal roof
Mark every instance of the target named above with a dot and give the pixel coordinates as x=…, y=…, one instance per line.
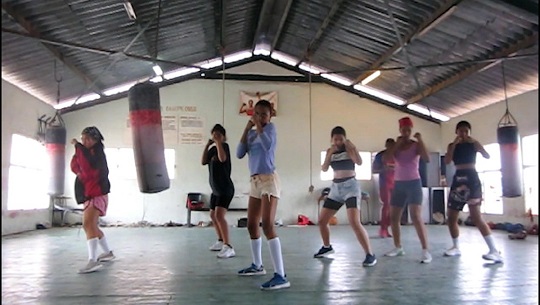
x=344, y=36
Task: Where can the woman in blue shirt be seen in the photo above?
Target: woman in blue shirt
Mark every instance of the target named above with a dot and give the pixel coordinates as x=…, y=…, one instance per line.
x=260, y=144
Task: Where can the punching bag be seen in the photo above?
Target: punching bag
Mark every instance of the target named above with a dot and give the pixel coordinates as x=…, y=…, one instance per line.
x=55, y=145
x=510, y=147
x=148, y=146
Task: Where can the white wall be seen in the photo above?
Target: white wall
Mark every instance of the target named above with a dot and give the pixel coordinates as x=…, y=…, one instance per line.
x=484, y=122
x=368, y=124
x=20, y=112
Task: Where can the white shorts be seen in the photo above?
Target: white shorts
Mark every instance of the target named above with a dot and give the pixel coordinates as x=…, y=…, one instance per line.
x=266, y=184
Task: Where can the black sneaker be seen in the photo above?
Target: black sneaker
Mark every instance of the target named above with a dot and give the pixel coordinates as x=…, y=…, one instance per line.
x=370, y=260
x=324, y=251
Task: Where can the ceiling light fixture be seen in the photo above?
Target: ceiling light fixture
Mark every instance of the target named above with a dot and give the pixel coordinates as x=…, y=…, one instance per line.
x=157, y=70
x=380, y=94
x=180, y=72
x=118, y=89
x=338, y=79
x=211, y=63
x=371, y=77
x=311, y=69
x=129, y=10
x=237, y=56
x=286, y=59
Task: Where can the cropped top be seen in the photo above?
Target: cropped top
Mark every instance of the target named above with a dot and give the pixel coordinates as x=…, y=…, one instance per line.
x=340, y=160
x=464, y=153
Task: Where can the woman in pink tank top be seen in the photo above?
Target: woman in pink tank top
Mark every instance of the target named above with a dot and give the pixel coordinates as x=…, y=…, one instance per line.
x=407, y=186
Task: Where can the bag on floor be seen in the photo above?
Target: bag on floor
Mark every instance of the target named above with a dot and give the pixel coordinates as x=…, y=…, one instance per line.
x=242, y=222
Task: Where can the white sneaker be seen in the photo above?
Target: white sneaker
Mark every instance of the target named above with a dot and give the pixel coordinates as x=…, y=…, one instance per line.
x=91, y=267
x=106, y=257
x=426, y=257
x=395, y=252
x=493, y=256
x=452, y=252
x=217, y=246
x=226, y=252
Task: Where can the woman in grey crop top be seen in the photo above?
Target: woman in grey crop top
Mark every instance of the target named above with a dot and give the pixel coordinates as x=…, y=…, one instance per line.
x=342, y=157
x=467, y=189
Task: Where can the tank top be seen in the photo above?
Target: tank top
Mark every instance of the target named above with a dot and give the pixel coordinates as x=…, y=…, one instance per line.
x=340, y=160
x=464, y=153
x=407, y=164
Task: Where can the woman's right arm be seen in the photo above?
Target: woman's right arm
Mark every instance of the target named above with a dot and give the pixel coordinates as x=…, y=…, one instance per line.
x=327, y=160
x=242, y=147
x=450, y=150
x=204, y=159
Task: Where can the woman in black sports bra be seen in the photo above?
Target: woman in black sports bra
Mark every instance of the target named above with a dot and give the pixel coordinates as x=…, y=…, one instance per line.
x=467, y=189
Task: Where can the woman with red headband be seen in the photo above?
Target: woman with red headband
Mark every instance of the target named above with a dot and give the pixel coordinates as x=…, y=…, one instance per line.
x=407, y=186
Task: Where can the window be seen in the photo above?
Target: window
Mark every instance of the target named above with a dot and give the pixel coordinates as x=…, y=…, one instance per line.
x=529, y=148
x=489, y=171
x=363, y=172
x=121, y=162
x=27, y=179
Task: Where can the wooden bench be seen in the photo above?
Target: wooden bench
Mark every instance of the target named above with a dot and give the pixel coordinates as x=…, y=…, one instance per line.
x=207, y=209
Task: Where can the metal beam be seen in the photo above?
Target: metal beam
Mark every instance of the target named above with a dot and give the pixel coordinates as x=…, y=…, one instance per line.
x=219, y=23
x=95, y=50
x=519, y=45
x=263, y=19
x=281, y=24
x=314, y=43
x=27, y=26
x=406, y=39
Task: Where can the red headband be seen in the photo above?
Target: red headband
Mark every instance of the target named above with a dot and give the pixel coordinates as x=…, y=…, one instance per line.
x=406, y=121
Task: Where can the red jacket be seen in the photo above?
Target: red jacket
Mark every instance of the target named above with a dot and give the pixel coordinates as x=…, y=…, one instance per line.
x=90, y=166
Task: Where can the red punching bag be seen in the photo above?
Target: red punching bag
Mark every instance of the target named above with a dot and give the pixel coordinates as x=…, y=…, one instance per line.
x=510, y=147
x=55, y=145
x=147, y=132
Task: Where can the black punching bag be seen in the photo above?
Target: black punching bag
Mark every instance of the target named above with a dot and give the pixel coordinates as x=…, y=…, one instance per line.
x=55, y=145
x=148, y=146
x=510, y=147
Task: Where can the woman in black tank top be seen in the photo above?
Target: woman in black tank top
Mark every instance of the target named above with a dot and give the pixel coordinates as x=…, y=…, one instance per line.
x=467, y=189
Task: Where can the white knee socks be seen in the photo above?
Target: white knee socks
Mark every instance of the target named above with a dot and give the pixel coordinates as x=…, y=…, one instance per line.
x=275, y=254
x=104, y=245
x=491, y=243
x=92, y=248
x=256, y=245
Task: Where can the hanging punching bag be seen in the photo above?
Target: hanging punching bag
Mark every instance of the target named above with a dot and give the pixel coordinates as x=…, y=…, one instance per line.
x=148, y=146
x=510, y=147
x=55, y=145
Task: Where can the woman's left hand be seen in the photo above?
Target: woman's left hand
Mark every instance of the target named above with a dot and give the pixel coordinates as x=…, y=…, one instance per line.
x=74, y=141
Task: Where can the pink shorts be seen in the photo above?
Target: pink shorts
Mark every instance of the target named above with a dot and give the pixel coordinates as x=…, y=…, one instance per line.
x=99, y=203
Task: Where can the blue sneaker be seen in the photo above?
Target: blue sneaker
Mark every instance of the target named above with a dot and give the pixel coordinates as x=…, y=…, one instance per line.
x=277, y=282
x=324, y=252
x=370, y=260
x=252, y=270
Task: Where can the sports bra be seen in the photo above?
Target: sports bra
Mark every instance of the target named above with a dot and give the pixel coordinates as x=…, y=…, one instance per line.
x=464, y=153
x=340, y=160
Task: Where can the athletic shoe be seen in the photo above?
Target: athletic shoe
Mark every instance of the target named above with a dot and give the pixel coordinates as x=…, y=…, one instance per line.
x=426, y=257
x=452, y=252
x=252, y=270
x=91, y=267
x=226, y=252
x=277, y=282
x=384, y=233
x=370, y=260
x=217, y=246
x=395, y=252
x=493, y=256
x=324, y=251
x=106, y=257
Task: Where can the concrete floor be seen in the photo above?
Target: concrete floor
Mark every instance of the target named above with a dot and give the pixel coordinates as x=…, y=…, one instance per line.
x=173, y=266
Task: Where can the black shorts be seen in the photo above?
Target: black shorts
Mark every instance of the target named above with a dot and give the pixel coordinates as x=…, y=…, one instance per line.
x=334, y=205
x=220, y=201
x=466, y=189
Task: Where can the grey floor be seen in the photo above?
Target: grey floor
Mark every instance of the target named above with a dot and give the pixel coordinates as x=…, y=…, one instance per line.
x=173, y=266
